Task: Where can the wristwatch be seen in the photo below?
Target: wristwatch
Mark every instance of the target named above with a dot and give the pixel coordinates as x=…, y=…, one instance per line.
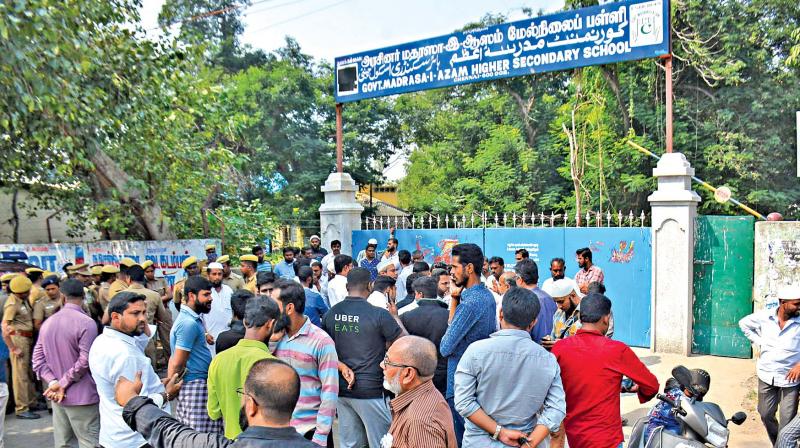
x=497, y=432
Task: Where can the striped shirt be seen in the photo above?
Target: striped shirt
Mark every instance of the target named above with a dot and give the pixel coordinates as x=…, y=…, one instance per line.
x=312, y=353
x=421, y=418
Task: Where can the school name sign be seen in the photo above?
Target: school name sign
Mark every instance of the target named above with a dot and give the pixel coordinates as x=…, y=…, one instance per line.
x=614, y=32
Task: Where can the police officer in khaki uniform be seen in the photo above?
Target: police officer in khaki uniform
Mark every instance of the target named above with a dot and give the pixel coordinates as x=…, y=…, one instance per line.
x=154, y=308
x=5, y=279
x=91, y=303
x=96, y=270
x=121, y=283
x=232, y=279
x=49, y=304
x=107, y=277
x=248, y=266
x=18, y=336
x=211, y=256
x=190, y=266
x=35, y=276
x=157, y=284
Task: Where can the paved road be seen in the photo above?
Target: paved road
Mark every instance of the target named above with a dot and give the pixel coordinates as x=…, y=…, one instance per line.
x=732, y=387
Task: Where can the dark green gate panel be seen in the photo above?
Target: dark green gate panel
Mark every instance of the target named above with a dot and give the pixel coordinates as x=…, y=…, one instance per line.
x=723, y=284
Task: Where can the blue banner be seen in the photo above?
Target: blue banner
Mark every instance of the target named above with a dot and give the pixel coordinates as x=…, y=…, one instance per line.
x=436, y=244
x=542, y=244
x=614, y=32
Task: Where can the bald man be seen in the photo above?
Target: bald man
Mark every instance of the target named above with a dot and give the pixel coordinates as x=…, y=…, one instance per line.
x=420, y=414
x=269, y=396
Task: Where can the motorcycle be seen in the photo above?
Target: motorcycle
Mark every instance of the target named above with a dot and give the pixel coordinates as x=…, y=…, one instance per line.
x=702, y=424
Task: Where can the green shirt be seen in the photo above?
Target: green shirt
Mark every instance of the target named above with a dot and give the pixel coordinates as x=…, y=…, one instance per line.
x=227, y=372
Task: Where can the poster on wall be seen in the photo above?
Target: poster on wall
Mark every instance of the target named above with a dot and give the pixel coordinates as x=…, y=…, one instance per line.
x=542, y=244
x=777, y=261
x=166, y=256
x=436, y=245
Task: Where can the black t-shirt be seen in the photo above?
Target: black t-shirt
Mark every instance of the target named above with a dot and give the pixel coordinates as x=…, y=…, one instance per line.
x=361, y=331
x=429, y=320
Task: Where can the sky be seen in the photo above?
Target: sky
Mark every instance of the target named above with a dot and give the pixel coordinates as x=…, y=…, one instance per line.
x=327, y=29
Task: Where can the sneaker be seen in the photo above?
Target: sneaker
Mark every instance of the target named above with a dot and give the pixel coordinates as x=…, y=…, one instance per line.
x=28, y=415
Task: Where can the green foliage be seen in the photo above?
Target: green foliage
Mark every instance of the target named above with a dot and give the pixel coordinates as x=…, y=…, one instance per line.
x=247, y=224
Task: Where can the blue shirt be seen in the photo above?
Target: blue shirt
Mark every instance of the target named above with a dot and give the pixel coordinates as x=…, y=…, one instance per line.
x=315, y=307
x=3, y=358
x=264, y=267
x=513, y=380
x=284, y=270
x=780, y=347
x=372, y=266
x=544, y=322
x=474, y=319
x=188, y=335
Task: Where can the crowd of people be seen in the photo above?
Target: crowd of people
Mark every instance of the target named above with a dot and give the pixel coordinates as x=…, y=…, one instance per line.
x=401, y=353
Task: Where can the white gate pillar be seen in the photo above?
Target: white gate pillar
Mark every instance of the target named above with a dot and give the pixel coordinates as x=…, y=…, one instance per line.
x=674, y=208
x=340, y=214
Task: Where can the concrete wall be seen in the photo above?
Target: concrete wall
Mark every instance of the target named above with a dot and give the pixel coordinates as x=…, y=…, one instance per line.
x=777, y=260
x=33, y=224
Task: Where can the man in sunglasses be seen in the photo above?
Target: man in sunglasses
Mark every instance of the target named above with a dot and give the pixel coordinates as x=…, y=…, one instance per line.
x=268, y=398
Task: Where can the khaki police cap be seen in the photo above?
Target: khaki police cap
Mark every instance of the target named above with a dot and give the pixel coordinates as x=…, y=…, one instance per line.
x=211, y=246
x=249, y=257
x=188, y=262
x=224, y=259
x=127, y=262
x=8, y=277
x=20, y=285
x=110, y=269
x=97, y=270
x=83, y=270
x=147, y=264
x=77, y=267
x=33, y=270
x=46, y=274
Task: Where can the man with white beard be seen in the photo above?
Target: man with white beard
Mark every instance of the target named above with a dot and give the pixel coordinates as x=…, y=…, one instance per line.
x=420, y=414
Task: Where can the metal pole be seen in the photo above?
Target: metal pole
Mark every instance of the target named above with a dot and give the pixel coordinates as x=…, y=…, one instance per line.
x=668, y=67
x=339, y=138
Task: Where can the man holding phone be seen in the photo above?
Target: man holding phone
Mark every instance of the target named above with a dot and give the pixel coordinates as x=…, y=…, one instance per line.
x=472, y=316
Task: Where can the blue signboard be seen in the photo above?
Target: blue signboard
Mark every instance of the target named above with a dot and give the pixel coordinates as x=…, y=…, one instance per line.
x=436, y=244
x=614, y=32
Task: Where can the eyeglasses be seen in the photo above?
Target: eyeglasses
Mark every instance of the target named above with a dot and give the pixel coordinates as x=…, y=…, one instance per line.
x=240, y=391
x=386, y=362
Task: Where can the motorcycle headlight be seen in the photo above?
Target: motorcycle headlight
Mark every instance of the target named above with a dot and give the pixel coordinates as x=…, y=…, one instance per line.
x=717, y=433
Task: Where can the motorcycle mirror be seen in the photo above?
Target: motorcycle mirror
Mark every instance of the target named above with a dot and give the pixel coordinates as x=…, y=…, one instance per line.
x=739, y=418
x=684, y=378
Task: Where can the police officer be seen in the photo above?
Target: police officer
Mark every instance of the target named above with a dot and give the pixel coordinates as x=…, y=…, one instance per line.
x=191, y=268
x=18, y=336
x=108, y=275
x=249, y=264
x=120, y=283
x=154, y=308
x=35, y=276
x=49, y=304
x=232, y=279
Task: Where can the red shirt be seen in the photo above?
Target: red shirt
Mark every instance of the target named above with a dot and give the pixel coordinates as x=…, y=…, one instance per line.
x=592, y=367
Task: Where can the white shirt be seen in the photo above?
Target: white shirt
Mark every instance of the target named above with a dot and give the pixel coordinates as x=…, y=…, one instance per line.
x=337, y=289
x=780, y=349
x=219, y=318
x=401, y=281
x=378, y=299
x=114, y=354
x=410, y=307
x=327, y=259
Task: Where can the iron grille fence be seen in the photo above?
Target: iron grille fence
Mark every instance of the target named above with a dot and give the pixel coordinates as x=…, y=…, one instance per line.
x=511, y=220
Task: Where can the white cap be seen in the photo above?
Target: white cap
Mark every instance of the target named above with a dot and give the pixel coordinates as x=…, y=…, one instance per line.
x=562, y=288
x=372, y=241
x=315, y=237
x=215, y=265
x=384, y=264
x=789, y=292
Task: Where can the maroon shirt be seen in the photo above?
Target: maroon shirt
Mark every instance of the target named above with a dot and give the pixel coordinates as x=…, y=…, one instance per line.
x=592, y=367
x=62, y=353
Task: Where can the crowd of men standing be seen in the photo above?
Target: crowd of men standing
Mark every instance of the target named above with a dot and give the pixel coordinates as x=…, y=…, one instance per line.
x=404, y=354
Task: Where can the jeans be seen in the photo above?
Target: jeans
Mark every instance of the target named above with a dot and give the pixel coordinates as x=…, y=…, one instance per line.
x=458, y=421
x=362, y=421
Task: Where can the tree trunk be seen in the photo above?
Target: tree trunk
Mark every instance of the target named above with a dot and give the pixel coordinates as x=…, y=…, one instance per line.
x=613, y=81
x=15, y=215
x=524, y=108
x=148, y=214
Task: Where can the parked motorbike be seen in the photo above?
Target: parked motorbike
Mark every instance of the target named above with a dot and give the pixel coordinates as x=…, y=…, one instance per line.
x=702, y=424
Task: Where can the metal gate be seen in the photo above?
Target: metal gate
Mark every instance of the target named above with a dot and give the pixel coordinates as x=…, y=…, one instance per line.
x=723, y=284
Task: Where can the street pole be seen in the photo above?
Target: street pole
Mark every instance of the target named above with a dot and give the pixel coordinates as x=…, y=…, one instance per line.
x=339, y=138
x=668, y=67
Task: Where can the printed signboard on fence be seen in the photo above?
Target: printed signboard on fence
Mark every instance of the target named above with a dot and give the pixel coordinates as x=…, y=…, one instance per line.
x=542, y=244
x=614, y=32
x=436, y=244
x=167, y=256
x=625, y=255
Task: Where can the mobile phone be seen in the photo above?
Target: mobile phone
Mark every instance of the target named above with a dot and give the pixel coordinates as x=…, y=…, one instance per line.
x=182, y=374
x=523, y=441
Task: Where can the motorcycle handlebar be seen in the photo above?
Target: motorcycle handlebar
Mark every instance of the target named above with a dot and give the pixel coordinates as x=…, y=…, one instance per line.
x=672, y=403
